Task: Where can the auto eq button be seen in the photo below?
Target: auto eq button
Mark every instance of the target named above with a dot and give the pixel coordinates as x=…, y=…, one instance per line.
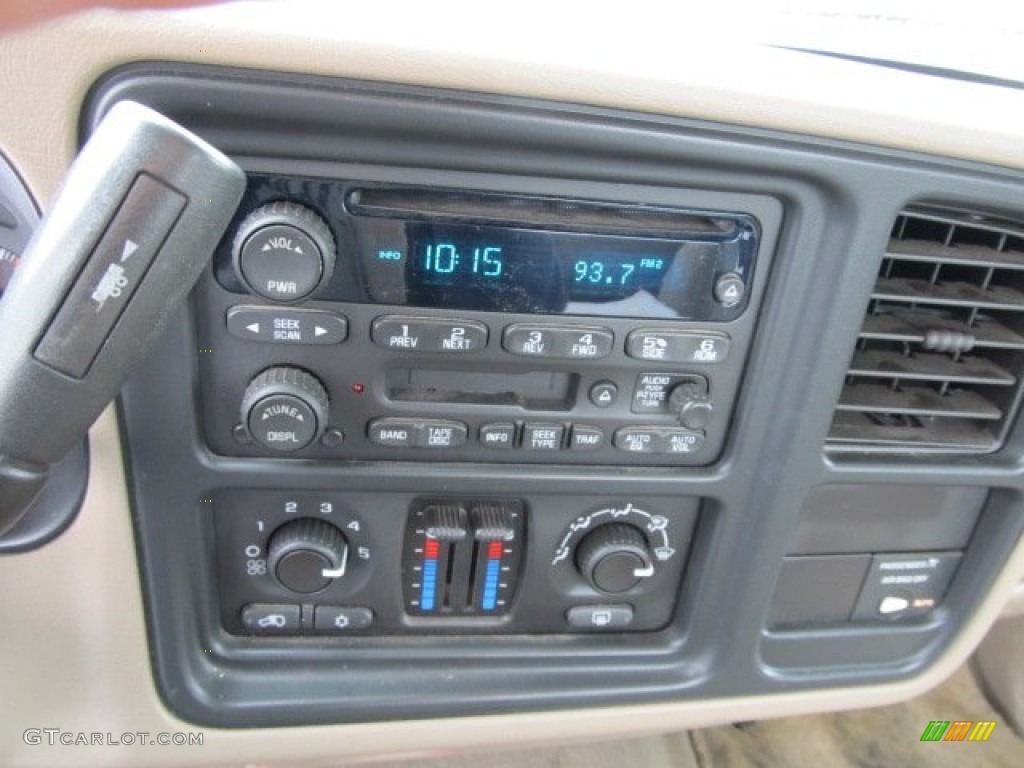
x=637, y=440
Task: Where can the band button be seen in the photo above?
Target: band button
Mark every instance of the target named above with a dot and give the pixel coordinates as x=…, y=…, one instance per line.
x=392, y=433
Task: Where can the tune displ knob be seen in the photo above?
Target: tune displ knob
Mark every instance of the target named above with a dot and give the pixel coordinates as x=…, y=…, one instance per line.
x=283, y=251
x=614, y=558
x=285, y=409
x=691, y=404
x=307, y=555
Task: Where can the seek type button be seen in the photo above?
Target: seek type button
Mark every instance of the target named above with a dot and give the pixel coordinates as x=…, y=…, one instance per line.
x=671, y=346
x=429, y=334
x=543, y=437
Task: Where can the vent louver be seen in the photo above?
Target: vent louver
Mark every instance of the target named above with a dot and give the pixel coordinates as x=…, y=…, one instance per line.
x=939, y=359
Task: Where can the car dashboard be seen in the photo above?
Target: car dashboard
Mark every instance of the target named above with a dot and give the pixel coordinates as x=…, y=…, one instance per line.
x=607, y=385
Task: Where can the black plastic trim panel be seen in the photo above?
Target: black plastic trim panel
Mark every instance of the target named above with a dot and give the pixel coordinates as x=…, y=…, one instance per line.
x=838, y=202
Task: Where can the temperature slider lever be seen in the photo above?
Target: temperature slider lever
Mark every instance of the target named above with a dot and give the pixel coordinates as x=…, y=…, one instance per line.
x=132, y=228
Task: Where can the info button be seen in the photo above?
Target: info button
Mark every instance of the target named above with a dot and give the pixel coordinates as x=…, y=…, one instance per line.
x=498, y=435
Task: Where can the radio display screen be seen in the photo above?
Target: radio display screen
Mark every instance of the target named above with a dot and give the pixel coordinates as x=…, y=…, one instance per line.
x=512, y=269
x=490, y=260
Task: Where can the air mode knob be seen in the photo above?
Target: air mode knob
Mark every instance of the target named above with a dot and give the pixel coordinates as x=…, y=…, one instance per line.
x=285, y=408
x=307, y=555
x=283, y=251
x=614, y=558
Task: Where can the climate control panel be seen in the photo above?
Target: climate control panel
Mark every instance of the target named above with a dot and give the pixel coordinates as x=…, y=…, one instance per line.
x=344, y=563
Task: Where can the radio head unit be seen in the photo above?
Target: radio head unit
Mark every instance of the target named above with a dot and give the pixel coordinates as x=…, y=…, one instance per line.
x=368, y=321
x=439, y=249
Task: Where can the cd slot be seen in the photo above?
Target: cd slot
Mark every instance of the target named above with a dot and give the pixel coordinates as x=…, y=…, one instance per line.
x=532, y=390
x=542, y=213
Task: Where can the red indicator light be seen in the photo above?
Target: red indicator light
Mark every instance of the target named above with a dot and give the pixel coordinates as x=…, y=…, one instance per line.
x=494, y=550
x=358, y=388
x=431, y=549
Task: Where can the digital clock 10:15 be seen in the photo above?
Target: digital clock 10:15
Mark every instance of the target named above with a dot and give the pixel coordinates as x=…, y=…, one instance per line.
x=447, y=259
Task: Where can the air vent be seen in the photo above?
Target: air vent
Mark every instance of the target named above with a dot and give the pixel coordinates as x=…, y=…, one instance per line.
x=939, y=359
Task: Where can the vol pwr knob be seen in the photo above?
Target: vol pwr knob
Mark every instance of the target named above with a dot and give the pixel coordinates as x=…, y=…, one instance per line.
x=283, y=251
x=285, y=408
